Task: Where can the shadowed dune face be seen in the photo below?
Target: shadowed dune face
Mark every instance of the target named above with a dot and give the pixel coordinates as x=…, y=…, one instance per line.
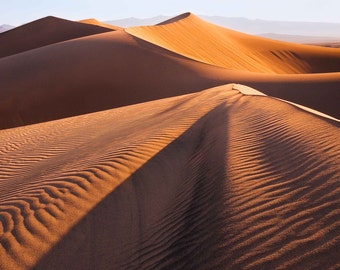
x=318, y=91
x=44, y=32
x=91, y=74
x=189, y=176
x=115, y=69
x=194, y=38
x=197, y=188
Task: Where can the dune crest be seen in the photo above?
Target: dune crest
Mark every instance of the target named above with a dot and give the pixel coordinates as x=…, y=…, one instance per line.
x=149, y=148
x=158, y=185
x=99, y=70
x=101, y=24
x=42, y=32
x=246, y=90
x=192, y=37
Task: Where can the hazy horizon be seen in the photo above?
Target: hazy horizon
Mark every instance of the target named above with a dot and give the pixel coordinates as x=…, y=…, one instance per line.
x=19, y=12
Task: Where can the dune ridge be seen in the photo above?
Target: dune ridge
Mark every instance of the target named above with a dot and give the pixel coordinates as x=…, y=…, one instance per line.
x=45, y=31
x=192, y=37
x=246, y=90
x=186, y=184
x=62, y=192
x=99, y=71
x=182, y=145
x=93, y=21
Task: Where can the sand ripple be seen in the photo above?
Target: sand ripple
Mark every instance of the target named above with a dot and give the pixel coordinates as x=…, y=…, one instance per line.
x=211, y=180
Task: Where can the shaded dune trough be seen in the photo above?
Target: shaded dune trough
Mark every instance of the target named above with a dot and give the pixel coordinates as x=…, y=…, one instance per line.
x=45, y=31
x=197, y=187
x=95, y=72
x=199, y=171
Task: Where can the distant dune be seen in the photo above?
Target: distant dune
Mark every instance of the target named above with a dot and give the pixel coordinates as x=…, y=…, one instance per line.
x=95, y=72
x=98, y=23
x=102, y=71
x=182, y=145
x=192, y=37
x=43, y=32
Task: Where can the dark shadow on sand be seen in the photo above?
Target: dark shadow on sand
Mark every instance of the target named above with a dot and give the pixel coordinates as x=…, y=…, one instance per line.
x=170, y=214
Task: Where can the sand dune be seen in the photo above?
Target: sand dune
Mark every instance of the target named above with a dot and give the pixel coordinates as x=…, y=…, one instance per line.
x=93, y=21
x=186, y=184
x=200, y=171
x=192, y=37
x=91, y=74
x=43, y=32
x=94, y=73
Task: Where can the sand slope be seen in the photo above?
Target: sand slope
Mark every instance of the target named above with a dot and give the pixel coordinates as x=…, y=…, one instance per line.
x=93, y=21
x=195, y=174
x=43, y=32
x=114, y=69
x=210, y=180
x=91, y=74
x=192, y=37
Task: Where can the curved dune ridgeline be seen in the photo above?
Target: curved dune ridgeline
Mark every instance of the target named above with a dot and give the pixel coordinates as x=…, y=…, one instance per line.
x=92, y=74
x=186, y=184
x=149, y=148
x=194, y=38
x=93, y=21
x=115, y=69
x=45, y=31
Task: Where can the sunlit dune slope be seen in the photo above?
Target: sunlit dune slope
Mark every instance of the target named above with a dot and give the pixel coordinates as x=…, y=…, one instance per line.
x=192, y=37
x=98, y=23
x=115, y=69
x=43, y=32
x=210, y=180
x=91, y=74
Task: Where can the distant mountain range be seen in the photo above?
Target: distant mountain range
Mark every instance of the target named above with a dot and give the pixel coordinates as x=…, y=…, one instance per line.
x=129, y=22
x=5, y=27
x=279, y=29
x=300, y=32
x=259, y=27
x=327, y=41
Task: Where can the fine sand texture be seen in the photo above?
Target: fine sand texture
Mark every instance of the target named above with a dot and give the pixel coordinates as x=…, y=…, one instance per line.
x=182, y=145
x=211, y=180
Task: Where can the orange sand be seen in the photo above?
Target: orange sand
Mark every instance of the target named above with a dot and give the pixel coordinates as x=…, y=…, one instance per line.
x=192, y=37
x=98, y=23
x=195, y=173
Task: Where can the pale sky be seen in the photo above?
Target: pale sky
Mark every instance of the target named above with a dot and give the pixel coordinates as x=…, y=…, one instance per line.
x=17, y=12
